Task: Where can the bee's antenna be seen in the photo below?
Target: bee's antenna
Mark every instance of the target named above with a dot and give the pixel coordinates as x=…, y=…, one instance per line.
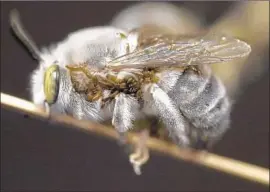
x=23, y=36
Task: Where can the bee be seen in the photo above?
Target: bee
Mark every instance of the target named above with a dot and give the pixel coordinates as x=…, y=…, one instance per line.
x=106, y=73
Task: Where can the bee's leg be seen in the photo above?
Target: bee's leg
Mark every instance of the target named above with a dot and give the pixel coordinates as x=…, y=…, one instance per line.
x=174, y=122
x=123, y=142
x=122, y=138
x=125, y=111
x=47, y=111
x=140, y=154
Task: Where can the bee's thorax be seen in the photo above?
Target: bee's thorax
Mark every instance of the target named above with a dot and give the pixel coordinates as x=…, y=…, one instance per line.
x=92, y=83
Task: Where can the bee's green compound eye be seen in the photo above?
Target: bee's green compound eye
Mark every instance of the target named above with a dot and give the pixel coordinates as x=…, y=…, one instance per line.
x=51, y=83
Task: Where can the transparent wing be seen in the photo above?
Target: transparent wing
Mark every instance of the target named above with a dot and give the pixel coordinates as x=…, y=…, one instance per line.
x=172, y=50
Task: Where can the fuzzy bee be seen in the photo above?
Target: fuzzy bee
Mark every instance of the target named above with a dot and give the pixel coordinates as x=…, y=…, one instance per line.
x=106, y=73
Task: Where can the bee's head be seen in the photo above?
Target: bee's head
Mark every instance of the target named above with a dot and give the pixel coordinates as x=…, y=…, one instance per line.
x=45, y=80
x=51, y=86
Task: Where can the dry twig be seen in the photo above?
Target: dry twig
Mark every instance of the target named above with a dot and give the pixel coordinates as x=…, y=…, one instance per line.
x=234, y=167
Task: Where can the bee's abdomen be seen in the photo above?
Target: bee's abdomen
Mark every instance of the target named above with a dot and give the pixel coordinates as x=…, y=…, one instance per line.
x=204, y=102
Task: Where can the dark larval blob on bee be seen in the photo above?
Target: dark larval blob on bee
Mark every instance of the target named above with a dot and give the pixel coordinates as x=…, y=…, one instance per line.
x=93, y=85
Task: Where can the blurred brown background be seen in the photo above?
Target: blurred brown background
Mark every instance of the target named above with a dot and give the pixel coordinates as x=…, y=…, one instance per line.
x=36, y=155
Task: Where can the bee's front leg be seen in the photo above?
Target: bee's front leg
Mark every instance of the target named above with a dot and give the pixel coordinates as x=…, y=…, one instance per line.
x=125, y=111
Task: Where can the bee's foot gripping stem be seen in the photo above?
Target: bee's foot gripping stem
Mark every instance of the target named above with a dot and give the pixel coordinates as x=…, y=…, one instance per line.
x=141, y=153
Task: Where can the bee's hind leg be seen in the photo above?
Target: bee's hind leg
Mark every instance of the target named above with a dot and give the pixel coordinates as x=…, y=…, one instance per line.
x=140, y=153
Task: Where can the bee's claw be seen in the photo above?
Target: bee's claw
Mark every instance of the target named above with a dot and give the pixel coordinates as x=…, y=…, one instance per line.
x=137, y=169
x=139, y=158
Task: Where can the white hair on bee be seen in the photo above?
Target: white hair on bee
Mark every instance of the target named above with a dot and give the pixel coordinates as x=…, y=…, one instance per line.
x=168, y=79
x=36, y=83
